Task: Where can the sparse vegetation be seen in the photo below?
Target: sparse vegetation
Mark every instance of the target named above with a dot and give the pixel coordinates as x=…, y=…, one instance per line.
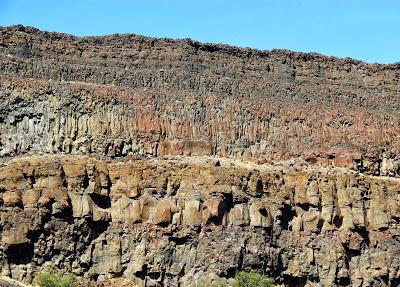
x=51, y=278
x=219, y=283
x=247, y=279
x=252, y=279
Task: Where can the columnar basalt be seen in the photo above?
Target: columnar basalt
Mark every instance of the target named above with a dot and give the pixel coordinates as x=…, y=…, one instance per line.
x=127, y=94
x=134, y=161
x=187, y=221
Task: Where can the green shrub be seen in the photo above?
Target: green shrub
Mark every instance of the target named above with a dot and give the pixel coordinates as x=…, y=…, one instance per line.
x=51, y=278
x=252, y=279
x=219, y=283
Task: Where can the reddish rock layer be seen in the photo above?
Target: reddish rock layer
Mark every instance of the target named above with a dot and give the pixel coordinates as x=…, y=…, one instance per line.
x=139, y=190
x=126, y=94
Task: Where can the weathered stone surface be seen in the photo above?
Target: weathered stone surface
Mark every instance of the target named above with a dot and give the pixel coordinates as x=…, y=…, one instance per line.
x=333, y=229
x=129, y=95
x=134, y=161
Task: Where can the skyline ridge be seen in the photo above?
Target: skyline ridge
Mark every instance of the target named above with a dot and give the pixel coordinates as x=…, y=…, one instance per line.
x=362, y=30
x=222, y=45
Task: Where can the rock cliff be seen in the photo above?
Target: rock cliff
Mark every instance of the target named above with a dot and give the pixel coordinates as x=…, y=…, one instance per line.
x=190, y=220
x=134, y=161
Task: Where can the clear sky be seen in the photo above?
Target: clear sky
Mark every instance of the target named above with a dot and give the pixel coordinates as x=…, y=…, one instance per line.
x=368, y=30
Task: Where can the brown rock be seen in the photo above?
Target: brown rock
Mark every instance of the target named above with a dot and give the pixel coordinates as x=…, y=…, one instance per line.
x=163, y=213
x=175, y=163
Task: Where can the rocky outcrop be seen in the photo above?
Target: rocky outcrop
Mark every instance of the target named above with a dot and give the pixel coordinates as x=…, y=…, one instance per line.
x=190, y=220
x=133, y=161
x=126, y=94
x=8, y=282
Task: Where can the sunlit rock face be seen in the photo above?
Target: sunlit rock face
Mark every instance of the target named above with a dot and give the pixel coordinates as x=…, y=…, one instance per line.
x=134, y=161
x=189, y=220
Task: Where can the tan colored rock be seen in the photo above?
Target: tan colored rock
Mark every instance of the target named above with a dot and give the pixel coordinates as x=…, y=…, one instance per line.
x=106, y=257
x=81, y=205
x=298, y=182
x=326, y=189
x=259, y=215
x=310, y=220
x=126, y=210
x=192, y=214
x=12, y=198
x=327, y=225
x=377, y=215
x=15, y=236
x=127, y=126
x=312, y=192
x=30, y=197
x=239, y=215
x=296, y=224
x=125, y=181
x=163, y=214
x=100, y=214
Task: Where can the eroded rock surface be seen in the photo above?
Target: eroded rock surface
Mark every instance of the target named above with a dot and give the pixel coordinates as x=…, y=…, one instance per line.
x=134, y=161
x=190, y=220
x=127, y=94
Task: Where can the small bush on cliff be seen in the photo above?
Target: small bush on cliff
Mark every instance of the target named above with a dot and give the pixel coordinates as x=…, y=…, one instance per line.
x=219, y=283
x=51, y=278
x=252, y=279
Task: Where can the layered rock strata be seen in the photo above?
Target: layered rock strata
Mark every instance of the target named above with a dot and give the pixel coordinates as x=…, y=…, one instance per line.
x=190, y=220
x=135, y=161
x=126, y=94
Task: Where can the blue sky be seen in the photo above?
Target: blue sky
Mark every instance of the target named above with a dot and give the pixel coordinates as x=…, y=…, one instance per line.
x=368, y=30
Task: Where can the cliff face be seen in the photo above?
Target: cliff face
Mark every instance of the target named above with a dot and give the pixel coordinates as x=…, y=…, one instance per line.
x=191, y=220
x=162, y=162
x=126, y=94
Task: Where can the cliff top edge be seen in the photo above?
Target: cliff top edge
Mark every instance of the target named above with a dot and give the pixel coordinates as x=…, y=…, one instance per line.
x=127, y=38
